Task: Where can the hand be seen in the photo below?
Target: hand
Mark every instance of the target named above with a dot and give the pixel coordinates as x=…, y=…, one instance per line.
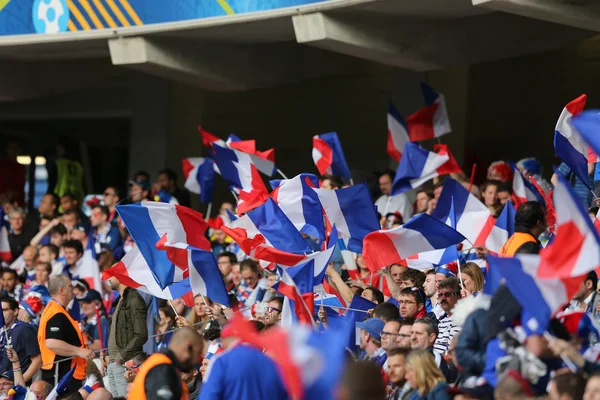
x=12, y=355
x=86, y=354
x=598, y=307
x=182, y=322
x=370, y=312
x=464, y=293
x=330, y=271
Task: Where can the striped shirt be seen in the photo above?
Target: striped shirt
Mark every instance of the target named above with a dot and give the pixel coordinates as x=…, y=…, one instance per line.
x=447, y=330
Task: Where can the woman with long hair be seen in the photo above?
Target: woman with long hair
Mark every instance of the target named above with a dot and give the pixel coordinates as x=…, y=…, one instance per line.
x=472, y=279
x=425, y=377
x=489, y=197
x=166, y=324
x=199, y=312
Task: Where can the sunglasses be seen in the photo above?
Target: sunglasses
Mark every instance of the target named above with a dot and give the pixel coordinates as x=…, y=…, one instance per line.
x=448, y=294
x=271, y=309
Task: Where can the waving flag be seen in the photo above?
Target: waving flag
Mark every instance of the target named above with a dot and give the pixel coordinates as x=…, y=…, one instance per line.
x=502, y=230
x=133, y=271
x=300, y=203
x=329, y=157
x=351, y=210
x=199, y=177
x=266, y=225
x=473, y=219
x=88, y=269
x=208, y=139
x=238, y=169
x=149, y=221
x=263, y=160
x=421, y=234
x=597, y=221
x=431, y=121
x=417, y=167
x=205, y=277
x=523, y=190
x=397, y=133
x=575, y=249
x=540, y=297
x=568, y=143
x=5, y=254
x=303, y=303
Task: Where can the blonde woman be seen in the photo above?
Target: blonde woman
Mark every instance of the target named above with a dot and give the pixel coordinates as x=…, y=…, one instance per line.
x=472, y=278
x=425, y=377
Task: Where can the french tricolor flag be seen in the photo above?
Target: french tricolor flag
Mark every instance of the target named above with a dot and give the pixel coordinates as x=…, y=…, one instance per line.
x=133, y=271
x=302, y=303
x=397, y=133
x=238, y=169
x=523, y=190
x=597, y=221
x=575, y=249
x=473, y=219
x=149, y=221
x=351, y=210
x=501, y=231
x=539, y=296
x=199, y=175
x=421, y=233
x=329, y=157
x=300, y=203
x=5, y=254
x=263, y=160
x=418, y=166
x=205, y=277
x=266, y=226
x=431, y=121
x=208, y=139
x=568, y=143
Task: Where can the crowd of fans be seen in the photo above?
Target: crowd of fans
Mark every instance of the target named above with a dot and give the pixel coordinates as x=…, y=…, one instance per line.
x=430, y=335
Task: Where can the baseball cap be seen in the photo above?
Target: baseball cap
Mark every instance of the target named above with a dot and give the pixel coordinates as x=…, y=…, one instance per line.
x=90, y=296
x=145, y=185
x=373, y=326
x=8, y=374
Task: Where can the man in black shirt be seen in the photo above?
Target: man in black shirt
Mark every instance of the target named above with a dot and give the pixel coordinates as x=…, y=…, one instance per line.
x=23, y=339
x=19, y=237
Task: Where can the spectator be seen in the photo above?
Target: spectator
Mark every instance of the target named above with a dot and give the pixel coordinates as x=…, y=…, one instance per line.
x=165, y=327
x=592, y=388
x=22, y=338
x=449, y=294
x=30, y=256
x=199, y=313
x=472, y=279
x=167, y=182
x=425, y=377
x=159, y=375
x=49, y=254
x=69, y=202
x=412, y=277
x=586, y=297
x=41, y=389
x=423, y=335
x=139, y=190
x=19, y=237
x=221, y=243
x=504, y=193
x=91, y=302
x=60, y=337
x=370, y=340
x=386, y=312
x=361, y=381
x=73, y=256
x=49, y=206
x=110, y=199
x=250, y=272
x=580, y=188
x=399, y=388
x=489, y=196
x=530, y=222
x=70, y=218
x=331, y=182
x=412, y=302
x=424, y=196
x=393, y=278
x=372, y=294
x=127, y=335
x=225, y=263
x=405, y=333
x=272, y=314
x=104, y=233
x=389, y=335
x=42, y=274
x=430, y=289
x=387, y=203
x=567, y=386
x=10, y=284
x=58, y=235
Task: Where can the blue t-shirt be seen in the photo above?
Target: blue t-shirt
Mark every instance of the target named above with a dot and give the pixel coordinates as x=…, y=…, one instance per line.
x=23, y=338
x=243, y=373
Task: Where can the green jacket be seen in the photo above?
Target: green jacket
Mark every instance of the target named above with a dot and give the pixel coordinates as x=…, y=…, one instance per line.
x=132, y=331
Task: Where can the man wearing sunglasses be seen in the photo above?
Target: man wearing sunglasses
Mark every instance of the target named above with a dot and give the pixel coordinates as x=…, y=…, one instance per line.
x=272, y=314
x=111, y=198
x=448, y=296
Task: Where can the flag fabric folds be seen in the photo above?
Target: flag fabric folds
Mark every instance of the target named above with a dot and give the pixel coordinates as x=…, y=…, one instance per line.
x=397, y=133
x=431, y=121
x=568, y=143
x=199, y=175
x=417, y=166
x=329, y=157
x=149, y=221
x=422, y=233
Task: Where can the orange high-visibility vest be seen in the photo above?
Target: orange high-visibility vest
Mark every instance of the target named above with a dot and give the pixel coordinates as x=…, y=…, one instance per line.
x=137, y=391
x=48, y=355
x=513, y=243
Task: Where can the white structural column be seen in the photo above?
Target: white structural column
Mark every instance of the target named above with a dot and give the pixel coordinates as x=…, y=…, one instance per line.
x=583, y=14
x=358, y=38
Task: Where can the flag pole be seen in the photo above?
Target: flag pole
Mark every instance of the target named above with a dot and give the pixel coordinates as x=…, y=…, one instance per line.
x=173, y=308
x=206, y=304
x=208, y=210
x=462, y=285
x=282, y=174
x=234, y=196
x=473, y=169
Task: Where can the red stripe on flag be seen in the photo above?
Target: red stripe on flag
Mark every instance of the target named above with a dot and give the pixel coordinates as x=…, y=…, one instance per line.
x=420, y=123
x=576, y=106
x=450, y=166
x=485, y=231
x=207, y=138
x=119, y=271
x=300, y=307
x=391, y=149
x=194, y=226
x=187, y=167
x=379, y=251
x=563, y=253
x=326, y=155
